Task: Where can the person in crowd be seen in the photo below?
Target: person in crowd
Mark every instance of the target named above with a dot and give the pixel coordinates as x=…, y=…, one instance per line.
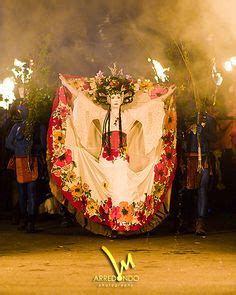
x=194, y=202
x=8, y=195
x=27, y=150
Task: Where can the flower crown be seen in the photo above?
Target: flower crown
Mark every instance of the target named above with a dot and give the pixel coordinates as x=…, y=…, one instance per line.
x=113, y=84
x=98, y=88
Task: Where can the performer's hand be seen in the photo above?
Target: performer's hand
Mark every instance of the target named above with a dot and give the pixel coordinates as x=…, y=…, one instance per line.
x=171, y=89
x=63, y=80
x=68, y=86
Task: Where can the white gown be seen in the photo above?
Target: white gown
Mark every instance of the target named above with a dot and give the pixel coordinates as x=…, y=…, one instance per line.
x=116, y=193
x=121, y=182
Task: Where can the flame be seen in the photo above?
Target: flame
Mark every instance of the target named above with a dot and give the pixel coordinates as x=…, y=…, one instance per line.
x=7, y=92
x=19, y=63
x=233, y=60
x=216, y=76
x=228, y=66
x=22, y=70
x=159, y=71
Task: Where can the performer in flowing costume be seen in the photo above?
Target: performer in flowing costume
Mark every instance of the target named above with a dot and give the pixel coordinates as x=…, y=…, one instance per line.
x=113, y=163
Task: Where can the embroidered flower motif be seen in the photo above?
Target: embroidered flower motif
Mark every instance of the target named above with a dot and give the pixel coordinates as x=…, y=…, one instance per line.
x=149, y=202
x=146, y=85
x=158, y=190
x=168, y=155
x=81, y=203
x=107, y=206
x=170, y=121
x=92, y=207
x=115, y=213
x=126, y=211
x=76, y=83
x=64, y=159
x=76, y=192
x=85, y=187
x=64, y=111
x=114, y=154
x=158, y=91
x=141, y=217
x=65, y=188
x=168, y=138
x=70, y=176
x=56, y=172
x=161, y=172
x=58, y=136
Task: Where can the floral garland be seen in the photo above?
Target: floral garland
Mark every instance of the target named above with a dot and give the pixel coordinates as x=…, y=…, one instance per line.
x=125, y=217
x=98, y=87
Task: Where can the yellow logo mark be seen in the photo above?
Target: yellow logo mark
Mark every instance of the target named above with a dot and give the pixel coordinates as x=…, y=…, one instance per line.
x=124, y=265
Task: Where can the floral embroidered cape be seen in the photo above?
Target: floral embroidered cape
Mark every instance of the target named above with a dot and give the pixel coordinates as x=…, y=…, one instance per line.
x=125, y=216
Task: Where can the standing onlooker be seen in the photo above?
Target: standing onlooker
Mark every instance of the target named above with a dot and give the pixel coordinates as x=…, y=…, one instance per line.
x=195, y=210
x=27, y=150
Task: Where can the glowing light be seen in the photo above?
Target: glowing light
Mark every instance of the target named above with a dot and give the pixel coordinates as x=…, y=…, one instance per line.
x=159, y=71
x=22, y=71
x=216, y=76
x=228, y=66
x=233, y=60
x=7, y=92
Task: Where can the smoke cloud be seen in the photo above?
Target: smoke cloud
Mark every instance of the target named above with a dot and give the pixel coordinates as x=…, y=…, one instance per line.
x=84, y=36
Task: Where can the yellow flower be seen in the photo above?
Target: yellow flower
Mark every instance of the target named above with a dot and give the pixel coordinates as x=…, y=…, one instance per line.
x=146, y=84
x=158, y=190
x=58, y=136
x=92, y=207
x=76, y=192
x=76, y=83
x=70, y=176
x=85, y=187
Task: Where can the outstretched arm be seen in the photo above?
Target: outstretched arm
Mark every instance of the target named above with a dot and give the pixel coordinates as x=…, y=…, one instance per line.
x=170, y=91
x=65, y=83
x=152, y=104
x=163, y=97
x=87, y=103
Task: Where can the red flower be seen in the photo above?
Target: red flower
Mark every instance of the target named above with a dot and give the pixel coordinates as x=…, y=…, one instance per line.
x=158, y=91
x=113, y=154
x=86, y=86
x=65, y=159
x=161, y=171
x=141, y=216
x=57, y=121
x=127, y=158
x=81, y=203
x=115, y=213
x=168, y=138
x=168, y=155
x=110, y=158
x=107, y=205
x=104, y=215
x=63, y=111
x=149, y=202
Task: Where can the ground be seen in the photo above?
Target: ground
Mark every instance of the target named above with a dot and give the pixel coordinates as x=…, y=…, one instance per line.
x=58, y=260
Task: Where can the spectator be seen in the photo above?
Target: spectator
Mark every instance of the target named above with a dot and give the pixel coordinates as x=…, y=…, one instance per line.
x=27, y=151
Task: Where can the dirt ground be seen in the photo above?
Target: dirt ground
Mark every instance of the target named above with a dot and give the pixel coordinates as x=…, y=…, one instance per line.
x=58, y=260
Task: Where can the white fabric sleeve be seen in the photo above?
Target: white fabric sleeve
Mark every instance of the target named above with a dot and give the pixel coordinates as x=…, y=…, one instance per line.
x=151, y=115
x=84, y=112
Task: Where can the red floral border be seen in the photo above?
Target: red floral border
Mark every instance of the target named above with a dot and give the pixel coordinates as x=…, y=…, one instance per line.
x=168, y=160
